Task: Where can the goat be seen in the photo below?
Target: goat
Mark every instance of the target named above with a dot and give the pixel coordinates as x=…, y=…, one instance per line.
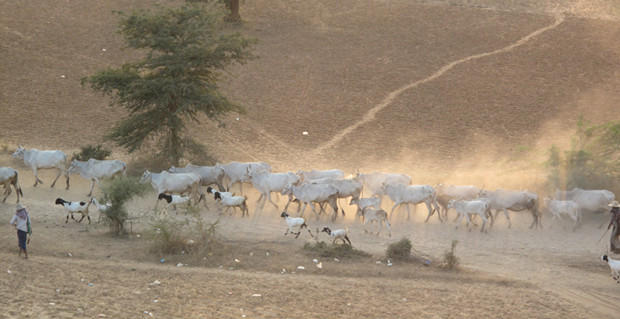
x=173, y=200
x=103, y=208
x=294, y=222
x=341, y=234
x=378, y=215
x=614, y=265
x=234, y=202
x=75, y=207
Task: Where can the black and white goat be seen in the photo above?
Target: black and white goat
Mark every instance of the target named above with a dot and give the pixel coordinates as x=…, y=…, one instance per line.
x=174, y=200
x=75, y=207
x=233, y=201
x=614, y=265
x=342, y=234
x=295, y=222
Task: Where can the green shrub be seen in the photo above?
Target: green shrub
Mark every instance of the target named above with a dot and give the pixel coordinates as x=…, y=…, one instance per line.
x=325, y=250
x=450, y=260
x=191, y=235
x=91, y=151
x=400, y=250
x=117, y=192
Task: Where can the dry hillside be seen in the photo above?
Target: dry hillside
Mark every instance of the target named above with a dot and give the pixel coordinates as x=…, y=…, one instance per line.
x=453, y=91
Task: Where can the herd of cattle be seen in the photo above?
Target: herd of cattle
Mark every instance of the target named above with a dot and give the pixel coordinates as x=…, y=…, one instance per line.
x=320, y=187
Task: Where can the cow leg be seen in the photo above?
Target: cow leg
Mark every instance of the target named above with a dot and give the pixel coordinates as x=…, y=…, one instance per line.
x=67, y=220
x=92, y=186
x=484, y=222
x=508, y=218
x=393, y=207
x=58, y=173
x=430, y=212
x=366, y=230
x=271, y=201
x=468, y=222
x=459, y=221
x=36, y=177
x=304, y=209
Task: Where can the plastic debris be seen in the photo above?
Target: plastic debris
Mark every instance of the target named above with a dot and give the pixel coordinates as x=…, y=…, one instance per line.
x=237, y=260
x=163, y=260
x=304, y=133
x=91, y=284
x=256, y=295
x=378, y=262
x=57, y=290
x=315, y=260
x=404, y=299
x=336, y=259
x=427, y=263
x=319, y=265
x=8, y=272
x=69, y=254
x=155, y=300
x=51, y=303
x=156, y=282
x=301, y=267
x=179, y=265
x=267, y=253
x=229, y=293
x=283, y=271
x=103, y=49
x=81, y=279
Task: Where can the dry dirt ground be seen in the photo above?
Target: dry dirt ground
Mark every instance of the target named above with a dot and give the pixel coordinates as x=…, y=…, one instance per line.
x=445, y=93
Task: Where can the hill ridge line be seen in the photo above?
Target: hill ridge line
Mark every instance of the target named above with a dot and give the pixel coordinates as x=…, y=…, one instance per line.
x=370, y=115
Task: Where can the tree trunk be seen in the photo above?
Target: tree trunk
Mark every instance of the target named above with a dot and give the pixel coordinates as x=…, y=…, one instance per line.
x=234, y=16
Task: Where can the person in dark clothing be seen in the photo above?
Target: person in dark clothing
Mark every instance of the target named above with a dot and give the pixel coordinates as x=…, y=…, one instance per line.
x=614, y=239
x=21, y=221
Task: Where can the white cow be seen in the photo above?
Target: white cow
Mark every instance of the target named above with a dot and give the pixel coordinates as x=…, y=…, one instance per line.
x=318, y=174
x=238, y=172
x=346, y=187
x=411, y=194
x=446, y=193
x=375, y=180
x=590, y=201
x=313, y=193
x=503, y=200
x=168, y=183
x=209, y=175
x=97, y=170
x=266, y=183
x=557, y=208
x=470, y=207
x=37, y=160
x=8, y=177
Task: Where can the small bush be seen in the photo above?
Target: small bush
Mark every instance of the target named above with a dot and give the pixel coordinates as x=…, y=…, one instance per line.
x=400, y=250
x=117, y=192
x=91, y=151
x=325, y=250
x=191, y=235
x=450, y=260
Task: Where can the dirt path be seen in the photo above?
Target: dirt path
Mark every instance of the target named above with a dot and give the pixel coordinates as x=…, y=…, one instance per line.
x=370, y=114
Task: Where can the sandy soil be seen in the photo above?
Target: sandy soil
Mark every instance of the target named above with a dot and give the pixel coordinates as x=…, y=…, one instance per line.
x=444, y=93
